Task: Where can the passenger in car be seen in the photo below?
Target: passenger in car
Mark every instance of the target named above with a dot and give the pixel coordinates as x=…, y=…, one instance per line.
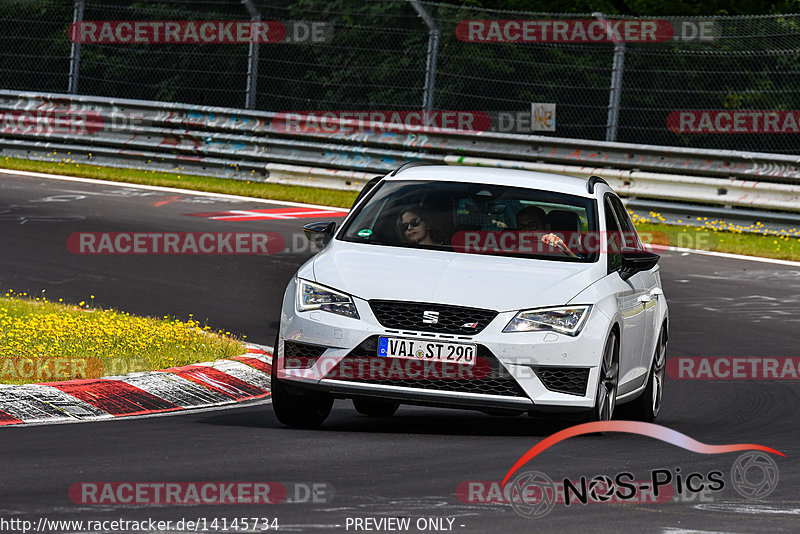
x=534, y=219
x=415, y=227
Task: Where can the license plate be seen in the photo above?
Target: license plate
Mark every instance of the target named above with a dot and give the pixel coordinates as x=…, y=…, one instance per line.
x=420, y=349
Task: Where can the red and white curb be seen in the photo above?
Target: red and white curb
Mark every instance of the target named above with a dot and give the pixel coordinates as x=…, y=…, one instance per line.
x=202, y=385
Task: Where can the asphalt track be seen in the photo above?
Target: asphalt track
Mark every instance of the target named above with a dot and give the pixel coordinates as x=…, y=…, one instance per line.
x=406, y=466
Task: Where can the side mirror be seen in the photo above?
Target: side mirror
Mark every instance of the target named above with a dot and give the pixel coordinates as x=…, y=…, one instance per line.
x=319, y=233
x=636, y=260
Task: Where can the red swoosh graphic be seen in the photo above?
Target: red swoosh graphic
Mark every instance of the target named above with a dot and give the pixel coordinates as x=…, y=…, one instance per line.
x=633, y=427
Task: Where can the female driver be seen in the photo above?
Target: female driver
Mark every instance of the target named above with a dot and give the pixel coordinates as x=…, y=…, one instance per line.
x=414, y=227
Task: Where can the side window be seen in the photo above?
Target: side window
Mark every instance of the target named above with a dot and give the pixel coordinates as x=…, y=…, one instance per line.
x=612, y=238
x=630, y=238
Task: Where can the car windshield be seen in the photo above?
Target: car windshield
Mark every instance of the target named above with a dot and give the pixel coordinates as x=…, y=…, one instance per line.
x=475, y=218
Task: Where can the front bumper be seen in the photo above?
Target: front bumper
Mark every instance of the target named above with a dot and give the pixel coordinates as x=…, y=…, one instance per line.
x=533, y=371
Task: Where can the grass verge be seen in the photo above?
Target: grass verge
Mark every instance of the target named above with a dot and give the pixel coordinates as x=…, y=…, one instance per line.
x=720, y=236
x=717, y=236
x=42, y=341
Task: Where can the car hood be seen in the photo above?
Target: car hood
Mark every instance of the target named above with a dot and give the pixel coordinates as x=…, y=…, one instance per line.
x=498, y=283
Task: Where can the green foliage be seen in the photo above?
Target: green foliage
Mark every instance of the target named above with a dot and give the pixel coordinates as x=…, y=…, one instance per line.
x=377, y=57
x=644, y=7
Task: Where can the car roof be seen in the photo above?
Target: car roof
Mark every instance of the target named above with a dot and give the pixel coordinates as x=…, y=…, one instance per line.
x=496, y=176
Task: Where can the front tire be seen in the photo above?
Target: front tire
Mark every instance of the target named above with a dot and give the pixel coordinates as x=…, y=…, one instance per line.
x=297, y=410
x=648, y=404
x=606, y=396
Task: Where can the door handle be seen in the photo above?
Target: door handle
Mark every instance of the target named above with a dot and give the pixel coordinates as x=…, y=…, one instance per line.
x=656, y=292
x=645, y=299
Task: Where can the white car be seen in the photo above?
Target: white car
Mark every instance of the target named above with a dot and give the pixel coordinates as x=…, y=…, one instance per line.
x=504, y=291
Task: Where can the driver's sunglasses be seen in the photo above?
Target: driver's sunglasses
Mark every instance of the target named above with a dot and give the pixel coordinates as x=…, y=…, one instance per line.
x=413, y=223
x=532, y=226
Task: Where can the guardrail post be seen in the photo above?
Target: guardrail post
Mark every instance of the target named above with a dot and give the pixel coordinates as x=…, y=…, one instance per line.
x=615, y=91
x=252, y=60
x=433, y=52
x=75, y=50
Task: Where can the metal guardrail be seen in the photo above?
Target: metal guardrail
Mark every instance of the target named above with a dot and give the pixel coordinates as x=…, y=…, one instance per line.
x=681, y=188
x=254, y=145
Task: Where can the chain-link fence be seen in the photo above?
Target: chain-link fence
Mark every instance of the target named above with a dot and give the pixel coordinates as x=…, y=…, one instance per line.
x=727, y=82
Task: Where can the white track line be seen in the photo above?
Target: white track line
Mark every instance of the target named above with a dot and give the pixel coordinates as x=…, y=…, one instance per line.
x=169, y=189
x=332, y=208
x=729, y=256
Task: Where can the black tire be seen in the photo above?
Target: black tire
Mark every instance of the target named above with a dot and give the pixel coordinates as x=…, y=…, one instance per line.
x=375, y=407
x=648, y=404
x=606, y=397
x=297, y=410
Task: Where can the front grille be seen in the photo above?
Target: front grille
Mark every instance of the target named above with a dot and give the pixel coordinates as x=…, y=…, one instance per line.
x=564, y=379
x=404, y=315
x=300, y=355
x=486, y=377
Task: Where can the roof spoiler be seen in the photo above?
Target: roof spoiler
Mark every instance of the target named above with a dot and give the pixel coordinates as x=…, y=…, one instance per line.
x=408, y=165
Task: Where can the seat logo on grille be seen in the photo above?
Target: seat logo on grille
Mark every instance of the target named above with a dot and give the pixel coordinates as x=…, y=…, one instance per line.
x=430, y=317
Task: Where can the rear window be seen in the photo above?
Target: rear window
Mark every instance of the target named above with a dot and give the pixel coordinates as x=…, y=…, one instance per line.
x=471, y=218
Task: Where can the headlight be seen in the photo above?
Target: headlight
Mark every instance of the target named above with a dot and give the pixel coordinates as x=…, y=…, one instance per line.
x=311, y=296
x=565, y=320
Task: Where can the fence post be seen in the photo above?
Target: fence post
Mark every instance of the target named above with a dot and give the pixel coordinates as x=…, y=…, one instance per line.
x=252, y=59
x=615, y=91
x=75, y=50
x=433, y=52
